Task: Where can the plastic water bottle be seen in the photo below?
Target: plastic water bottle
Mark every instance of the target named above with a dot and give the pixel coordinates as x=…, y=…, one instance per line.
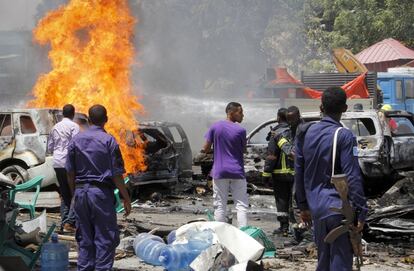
x=148, y=248
x=171, y=237
x=200, y=240
x=179, y=256
x=54, y=255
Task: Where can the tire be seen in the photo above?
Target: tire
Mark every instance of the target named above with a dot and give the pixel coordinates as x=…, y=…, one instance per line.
x=16, y=173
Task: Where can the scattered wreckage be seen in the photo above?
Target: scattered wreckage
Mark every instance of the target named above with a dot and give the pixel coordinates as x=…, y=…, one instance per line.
x=381, y=155
x=20, y=242
x=391, y=216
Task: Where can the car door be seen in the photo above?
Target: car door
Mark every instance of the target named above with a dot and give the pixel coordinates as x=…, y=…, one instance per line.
x=30, y=144
x=182, y=146
x=7, y=141
x=402, y=132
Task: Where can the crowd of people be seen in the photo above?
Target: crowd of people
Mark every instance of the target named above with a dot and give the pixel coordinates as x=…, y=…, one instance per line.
x=300, y=164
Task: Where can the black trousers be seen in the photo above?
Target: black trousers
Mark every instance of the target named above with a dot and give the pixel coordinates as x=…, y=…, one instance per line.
x=66, y=212
x=282, y=188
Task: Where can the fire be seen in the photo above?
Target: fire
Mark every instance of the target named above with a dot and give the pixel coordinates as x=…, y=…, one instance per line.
x=91, y=54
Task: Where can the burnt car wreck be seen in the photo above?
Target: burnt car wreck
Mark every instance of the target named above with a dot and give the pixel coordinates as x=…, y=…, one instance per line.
x=167, y=153
x=23, y=154
x=23, y=139
x=383, y=152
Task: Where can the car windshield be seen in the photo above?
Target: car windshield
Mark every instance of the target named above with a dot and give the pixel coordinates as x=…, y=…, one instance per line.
x=260, y=136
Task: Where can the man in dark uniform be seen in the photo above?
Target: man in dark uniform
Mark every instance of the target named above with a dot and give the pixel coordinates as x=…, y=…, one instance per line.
x=279, y=165
x=95, y=168
x=315, y=194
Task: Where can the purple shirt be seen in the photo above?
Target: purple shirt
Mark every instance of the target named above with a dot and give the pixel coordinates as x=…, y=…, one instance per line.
x=229, y=142
x=94, y=155
x=59, y=139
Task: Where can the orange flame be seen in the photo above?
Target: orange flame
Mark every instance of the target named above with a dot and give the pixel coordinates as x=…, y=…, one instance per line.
x=91, y=54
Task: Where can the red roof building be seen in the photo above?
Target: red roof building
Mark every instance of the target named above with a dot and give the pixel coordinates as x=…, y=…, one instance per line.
x=385, y=54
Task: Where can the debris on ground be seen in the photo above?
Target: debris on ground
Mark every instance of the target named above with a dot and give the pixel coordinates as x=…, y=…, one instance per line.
x=392, y=215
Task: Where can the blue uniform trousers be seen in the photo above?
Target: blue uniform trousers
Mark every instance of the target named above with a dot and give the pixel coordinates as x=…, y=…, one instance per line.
x=97, y=231
x=337, y=256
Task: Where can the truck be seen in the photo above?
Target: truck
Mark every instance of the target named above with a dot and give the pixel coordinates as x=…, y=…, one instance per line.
x=396, y=86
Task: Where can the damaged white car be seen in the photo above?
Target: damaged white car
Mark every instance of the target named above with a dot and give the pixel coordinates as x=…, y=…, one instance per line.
x=23, y=140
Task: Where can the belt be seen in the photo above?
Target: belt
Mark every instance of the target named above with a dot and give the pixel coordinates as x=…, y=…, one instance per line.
x=93, y=184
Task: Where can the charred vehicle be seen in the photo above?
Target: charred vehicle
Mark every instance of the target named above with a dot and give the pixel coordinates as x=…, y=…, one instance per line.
x=167, y=153
x=23, y=140
x=380, y=153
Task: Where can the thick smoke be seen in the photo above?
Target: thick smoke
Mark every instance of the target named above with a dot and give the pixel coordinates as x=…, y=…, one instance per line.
x=21, y=60
x=193, y=57
x=196, y=56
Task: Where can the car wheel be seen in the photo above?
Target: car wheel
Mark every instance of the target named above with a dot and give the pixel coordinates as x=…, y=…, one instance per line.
x=16, y=173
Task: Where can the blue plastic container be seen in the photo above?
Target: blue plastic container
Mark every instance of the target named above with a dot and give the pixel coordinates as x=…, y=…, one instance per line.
x=148, y=248
x=54, y=255
x=171, y=237
x=178, y=257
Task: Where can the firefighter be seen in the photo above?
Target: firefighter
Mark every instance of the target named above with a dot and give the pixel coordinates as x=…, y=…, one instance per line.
x=279, y=166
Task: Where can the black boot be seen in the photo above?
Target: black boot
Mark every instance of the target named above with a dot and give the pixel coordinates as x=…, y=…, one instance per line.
x=284, y=226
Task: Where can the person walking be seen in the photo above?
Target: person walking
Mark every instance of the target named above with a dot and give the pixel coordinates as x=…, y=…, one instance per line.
x=315, y=194
x=58, y=142
x=229, y=142
x=95, y=167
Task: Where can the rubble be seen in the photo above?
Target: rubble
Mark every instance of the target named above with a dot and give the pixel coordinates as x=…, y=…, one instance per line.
x=392, y=216
x=147, y=216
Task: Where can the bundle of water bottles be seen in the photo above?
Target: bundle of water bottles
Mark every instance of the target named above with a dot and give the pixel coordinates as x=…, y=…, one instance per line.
x=174, y=257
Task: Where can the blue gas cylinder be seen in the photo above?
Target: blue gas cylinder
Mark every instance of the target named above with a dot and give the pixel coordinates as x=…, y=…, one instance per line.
x=54, y=255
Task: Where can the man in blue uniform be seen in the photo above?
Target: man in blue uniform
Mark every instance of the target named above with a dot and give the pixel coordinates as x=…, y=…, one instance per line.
x=315, y=194
x=95, y=167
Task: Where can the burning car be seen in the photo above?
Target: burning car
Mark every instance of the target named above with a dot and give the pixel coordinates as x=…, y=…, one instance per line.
x=167, y=153
x=380, y=154
x=23, y=139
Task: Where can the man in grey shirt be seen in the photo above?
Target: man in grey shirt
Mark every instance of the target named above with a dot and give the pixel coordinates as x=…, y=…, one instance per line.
x=58, y=143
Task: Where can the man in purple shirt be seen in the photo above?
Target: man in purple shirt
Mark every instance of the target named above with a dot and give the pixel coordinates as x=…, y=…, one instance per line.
x=95, y=167
x=229, y=142
x=57, y=144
